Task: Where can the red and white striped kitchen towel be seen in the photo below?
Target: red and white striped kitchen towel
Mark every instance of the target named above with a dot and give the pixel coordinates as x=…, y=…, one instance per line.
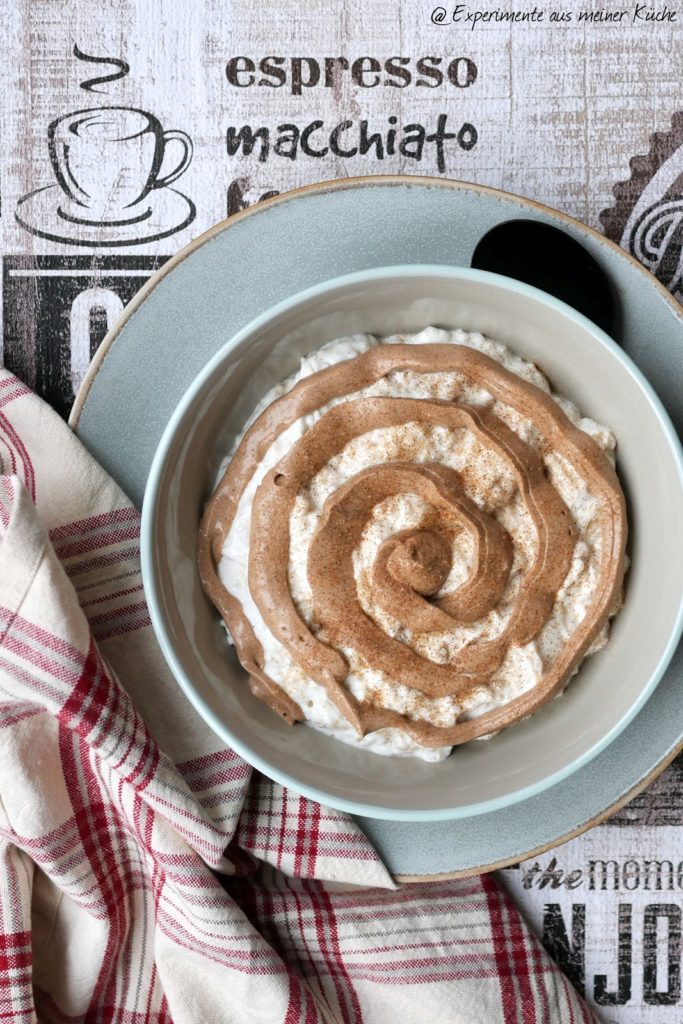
x=147, y=874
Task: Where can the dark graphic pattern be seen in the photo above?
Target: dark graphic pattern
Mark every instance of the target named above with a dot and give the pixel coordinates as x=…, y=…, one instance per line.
x=57, y=310
x=647, y=219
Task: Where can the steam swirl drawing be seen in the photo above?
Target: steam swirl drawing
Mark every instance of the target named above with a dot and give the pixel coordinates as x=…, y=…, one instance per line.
x=406, y=554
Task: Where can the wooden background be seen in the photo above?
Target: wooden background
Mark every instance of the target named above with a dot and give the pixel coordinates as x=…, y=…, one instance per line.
x=560, y=112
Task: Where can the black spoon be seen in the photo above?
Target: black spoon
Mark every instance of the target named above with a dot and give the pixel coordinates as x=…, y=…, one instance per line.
x=550, y=259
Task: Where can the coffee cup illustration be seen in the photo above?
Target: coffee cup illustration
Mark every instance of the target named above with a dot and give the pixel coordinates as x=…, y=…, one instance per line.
x=113, y=166
x=108, y=159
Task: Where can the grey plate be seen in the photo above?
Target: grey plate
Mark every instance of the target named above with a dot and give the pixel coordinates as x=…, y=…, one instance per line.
x=241, y=267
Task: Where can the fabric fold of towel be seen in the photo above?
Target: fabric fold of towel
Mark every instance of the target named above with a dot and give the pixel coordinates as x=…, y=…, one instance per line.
x=148, y=874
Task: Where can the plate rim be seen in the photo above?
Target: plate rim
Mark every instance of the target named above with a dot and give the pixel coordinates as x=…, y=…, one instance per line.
x=321, y=188
x=424, y=181
x=597, y=819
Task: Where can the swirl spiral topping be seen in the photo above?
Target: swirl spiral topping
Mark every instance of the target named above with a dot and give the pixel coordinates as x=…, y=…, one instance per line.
x=437, y=608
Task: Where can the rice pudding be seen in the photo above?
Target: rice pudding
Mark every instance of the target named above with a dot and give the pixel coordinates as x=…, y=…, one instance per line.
x=415, y=542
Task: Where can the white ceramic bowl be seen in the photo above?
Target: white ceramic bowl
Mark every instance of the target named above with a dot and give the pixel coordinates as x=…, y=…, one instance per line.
x=583, y=364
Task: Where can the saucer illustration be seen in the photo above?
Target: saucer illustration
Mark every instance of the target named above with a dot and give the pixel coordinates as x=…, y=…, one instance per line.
x=113, y=166
x=45, y=213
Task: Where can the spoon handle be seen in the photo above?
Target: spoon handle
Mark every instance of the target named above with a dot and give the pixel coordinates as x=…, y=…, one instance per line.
x=548, y=258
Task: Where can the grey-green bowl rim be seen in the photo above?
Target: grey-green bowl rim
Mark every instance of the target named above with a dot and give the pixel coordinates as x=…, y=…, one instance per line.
x=151, y=494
